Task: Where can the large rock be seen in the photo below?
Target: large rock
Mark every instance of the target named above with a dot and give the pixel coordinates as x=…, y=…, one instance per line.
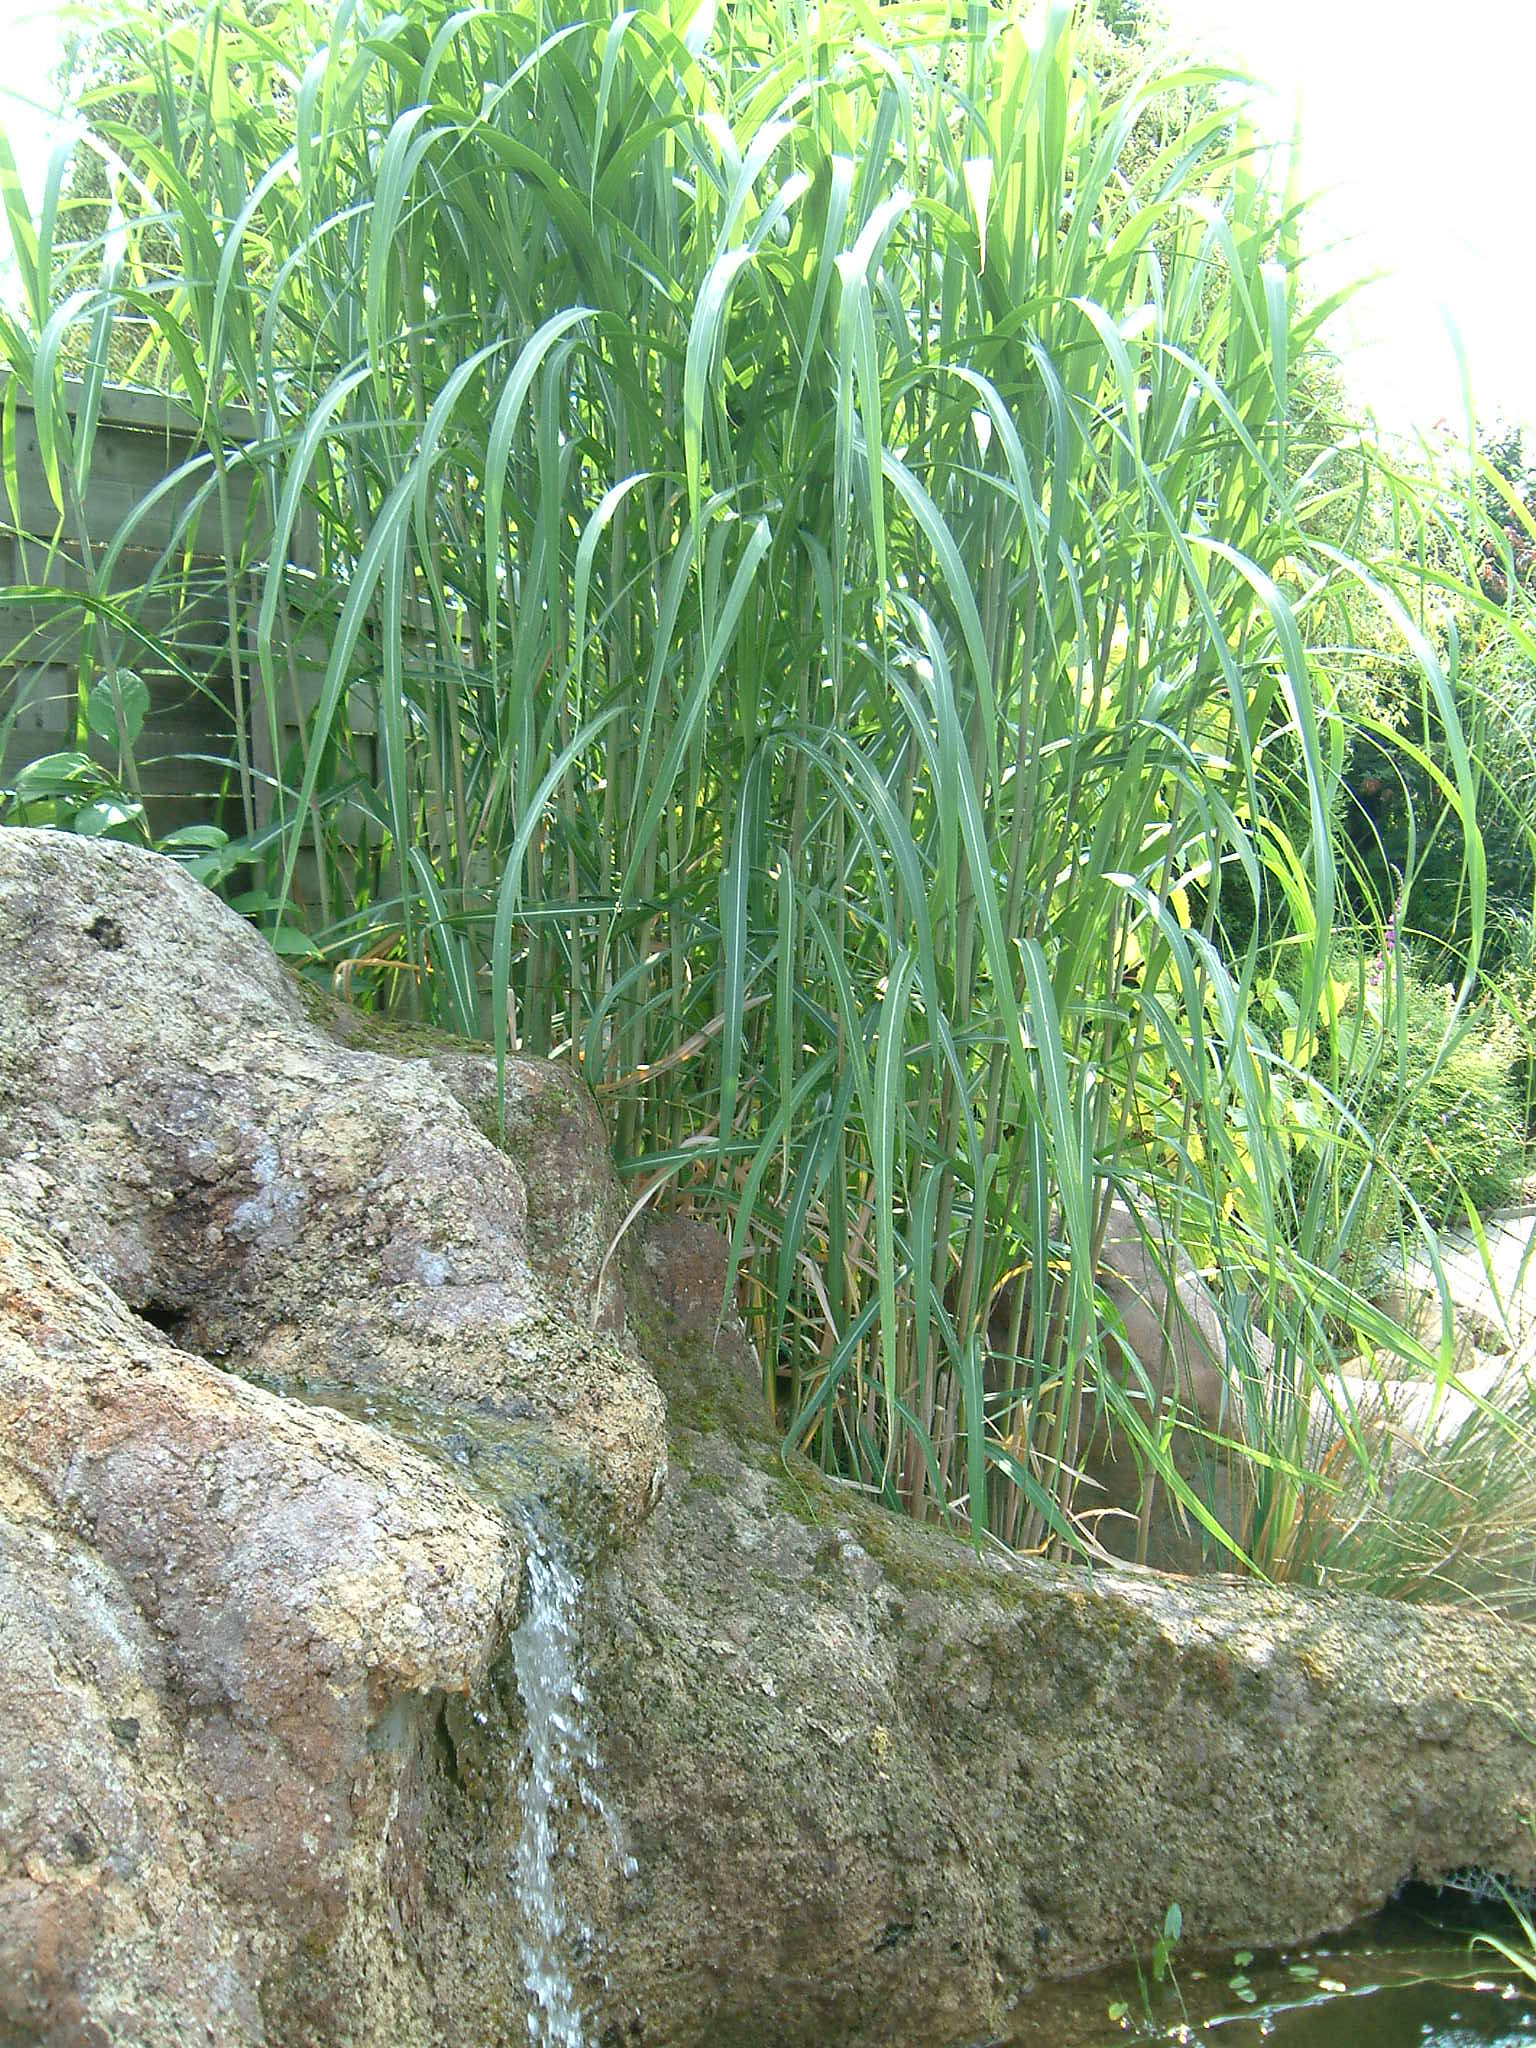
x=1167, y=1346
x=876, y=1786
x=232, y=1626
x=297, y=1208
x=1485, y=1287
x=274, y=1766
x=1172, y=1354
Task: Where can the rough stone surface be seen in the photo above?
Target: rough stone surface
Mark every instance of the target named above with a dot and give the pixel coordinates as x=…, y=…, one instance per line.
x=260, y=1743
x=295, y=1207
x=876, y=1787
x=1489, y=1289
x=1168, y=1348
x=1180, y=1373
x=229, y=1626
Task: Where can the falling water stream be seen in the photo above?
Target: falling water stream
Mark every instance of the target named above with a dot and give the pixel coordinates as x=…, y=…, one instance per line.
x=560, y=1784
x=558, y=1776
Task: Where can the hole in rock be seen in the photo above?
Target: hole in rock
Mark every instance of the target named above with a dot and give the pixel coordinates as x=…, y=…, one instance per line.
x=166, y=1316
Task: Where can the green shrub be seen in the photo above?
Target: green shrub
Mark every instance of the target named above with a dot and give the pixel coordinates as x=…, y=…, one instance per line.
x=1444, y=1100
x=1410, y=1101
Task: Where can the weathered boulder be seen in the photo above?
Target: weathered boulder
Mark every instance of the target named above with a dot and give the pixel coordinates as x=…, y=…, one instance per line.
x=1170, y=1351
x=1485, y=1287
x=1167, y=1347
x=269, y=1755
x=1413, y=1418
x=1418, y=1310
x=231, y=1627
x=1174, y=1333
x=876, y=1786
x=295, y=1207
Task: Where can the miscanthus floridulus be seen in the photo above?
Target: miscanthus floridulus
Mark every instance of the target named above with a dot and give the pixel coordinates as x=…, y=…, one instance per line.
x=790, y=554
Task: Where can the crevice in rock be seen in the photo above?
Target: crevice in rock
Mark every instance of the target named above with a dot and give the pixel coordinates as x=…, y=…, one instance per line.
x=447, y=1748
x=168, y=1317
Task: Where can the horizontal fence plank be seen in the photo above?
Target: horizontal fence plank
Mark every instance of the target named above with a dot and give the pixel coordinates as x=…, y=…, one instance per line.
x=126, y=467
x=133, y=406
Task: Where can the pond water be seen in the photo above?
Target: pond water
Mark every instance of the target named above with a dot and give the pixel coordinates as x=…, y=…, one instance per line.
x=1405, y=1979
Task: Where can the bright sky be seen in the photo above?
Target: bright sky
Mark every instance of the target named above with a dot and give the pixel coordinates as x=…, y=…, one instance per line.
x=1417, y=123
x=1416, y=131
x=30, y=36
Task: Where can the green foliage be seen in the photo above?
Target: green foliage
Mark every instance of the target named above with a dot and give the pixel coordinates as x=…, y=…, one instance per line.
x=1444, y=1104
x=1437, y=1090
x=73, y=792
x=1472, y=529
x=1520, y=1954
x=70, y=789
x=1167, y=1942
x=818, y=597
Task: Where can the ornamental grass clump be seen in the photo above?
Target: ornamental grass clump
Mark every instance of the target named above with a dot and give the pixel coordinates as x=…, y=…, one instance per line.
x=782, y=554
x=1445, y=1512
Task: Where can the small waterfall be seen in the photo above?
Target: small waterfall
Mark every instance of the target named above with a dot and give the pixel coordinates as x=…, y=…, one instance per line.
x=561, y=1778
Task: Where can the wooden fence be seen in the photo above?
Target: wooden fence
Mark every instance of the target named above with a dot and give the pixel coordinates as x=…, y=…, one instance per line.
x=181, y=564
